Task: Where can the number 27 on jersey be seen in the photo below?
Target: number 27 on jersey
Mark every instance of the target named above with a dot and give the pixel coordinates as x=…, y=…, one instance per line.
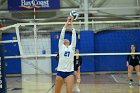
x=67, y=53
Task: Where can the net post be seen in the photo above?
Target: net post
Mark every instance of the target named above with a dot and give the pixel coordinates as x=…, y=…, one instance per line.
x=18, y=39
x=3, y=85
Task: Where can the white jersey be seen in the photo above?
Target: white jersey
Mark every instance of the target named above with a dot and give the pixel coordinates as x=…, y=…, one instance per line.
x=66, y=54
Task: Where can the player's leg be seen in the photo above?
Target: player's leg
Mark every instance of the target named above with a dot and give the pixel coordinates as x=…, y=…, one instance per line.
x=69, y=83
x=130, y=70
x=58, y=84
x=78, y=77
x=137, y=68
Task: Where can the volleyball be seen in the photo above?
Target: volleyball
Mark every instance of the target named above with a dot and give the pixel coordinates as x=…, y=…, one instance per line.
x=74, y=14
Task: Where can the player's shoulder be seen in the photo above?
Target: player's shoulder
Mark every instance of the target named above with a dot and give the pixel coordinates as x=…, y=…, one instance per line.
x=63, y=46
x=72, y=47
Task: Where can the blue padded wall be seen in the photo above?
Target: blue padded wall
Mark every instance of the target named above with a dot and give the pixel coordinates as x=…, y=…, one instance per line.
x=13, y=66
x=87, y=46
x=114, y=41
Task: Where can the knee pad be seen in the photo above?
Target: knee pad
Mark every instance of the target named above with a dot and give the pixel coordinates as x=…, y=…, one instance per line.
x=138, y=73
x=129, y=74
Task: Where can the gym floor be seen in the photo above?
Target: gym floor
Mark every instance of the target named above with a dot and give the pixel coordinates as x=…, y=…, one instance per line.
x=90, y=83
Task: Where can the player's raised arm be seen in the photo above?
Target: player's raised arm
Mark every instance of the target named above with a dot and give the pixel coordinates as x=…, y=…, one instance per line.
x=61, y=40
x=73, y=35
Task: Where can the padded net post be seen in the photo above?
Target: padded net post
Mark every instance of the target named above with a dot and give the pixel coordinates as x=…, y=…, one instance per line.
x=3, y=86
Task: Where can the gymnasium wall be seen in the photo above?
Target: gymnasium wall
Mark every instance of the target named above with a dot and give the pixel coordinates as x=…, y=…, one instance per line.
x=114, y=41
x=13, y=66
x=87, y=46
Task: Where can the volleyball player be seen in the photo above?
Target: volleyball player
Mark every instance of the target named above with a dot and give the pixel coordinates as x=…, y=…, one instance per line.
x=133, y=62
x=65, y=68
x=77, y=64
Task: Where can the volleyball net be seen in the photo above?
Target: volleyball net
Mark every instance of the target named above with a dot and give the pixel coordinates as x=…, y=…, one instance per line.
x=31, y=37
x=103, y=41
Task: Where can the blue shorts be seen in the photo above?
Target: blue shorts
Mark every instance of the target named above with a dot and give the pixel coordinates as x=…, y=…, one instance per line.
x=64, y=74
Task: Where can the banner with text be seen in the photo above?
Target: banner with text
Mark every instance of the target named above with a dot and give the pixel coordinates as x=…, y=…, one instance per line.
x=30, y=4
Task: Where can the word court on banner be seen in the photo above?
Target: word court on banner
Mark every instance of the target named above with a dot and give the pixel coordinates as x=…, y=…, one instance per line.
x=28, y=4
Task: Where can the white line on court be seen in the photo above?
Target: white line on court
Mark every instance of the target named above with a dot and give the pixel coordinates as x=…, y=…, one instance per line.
x=114, y=78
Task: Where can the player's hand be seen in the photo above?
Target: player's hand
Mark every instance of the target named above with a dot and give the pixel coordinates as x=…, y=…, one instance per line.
x=69, y=20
